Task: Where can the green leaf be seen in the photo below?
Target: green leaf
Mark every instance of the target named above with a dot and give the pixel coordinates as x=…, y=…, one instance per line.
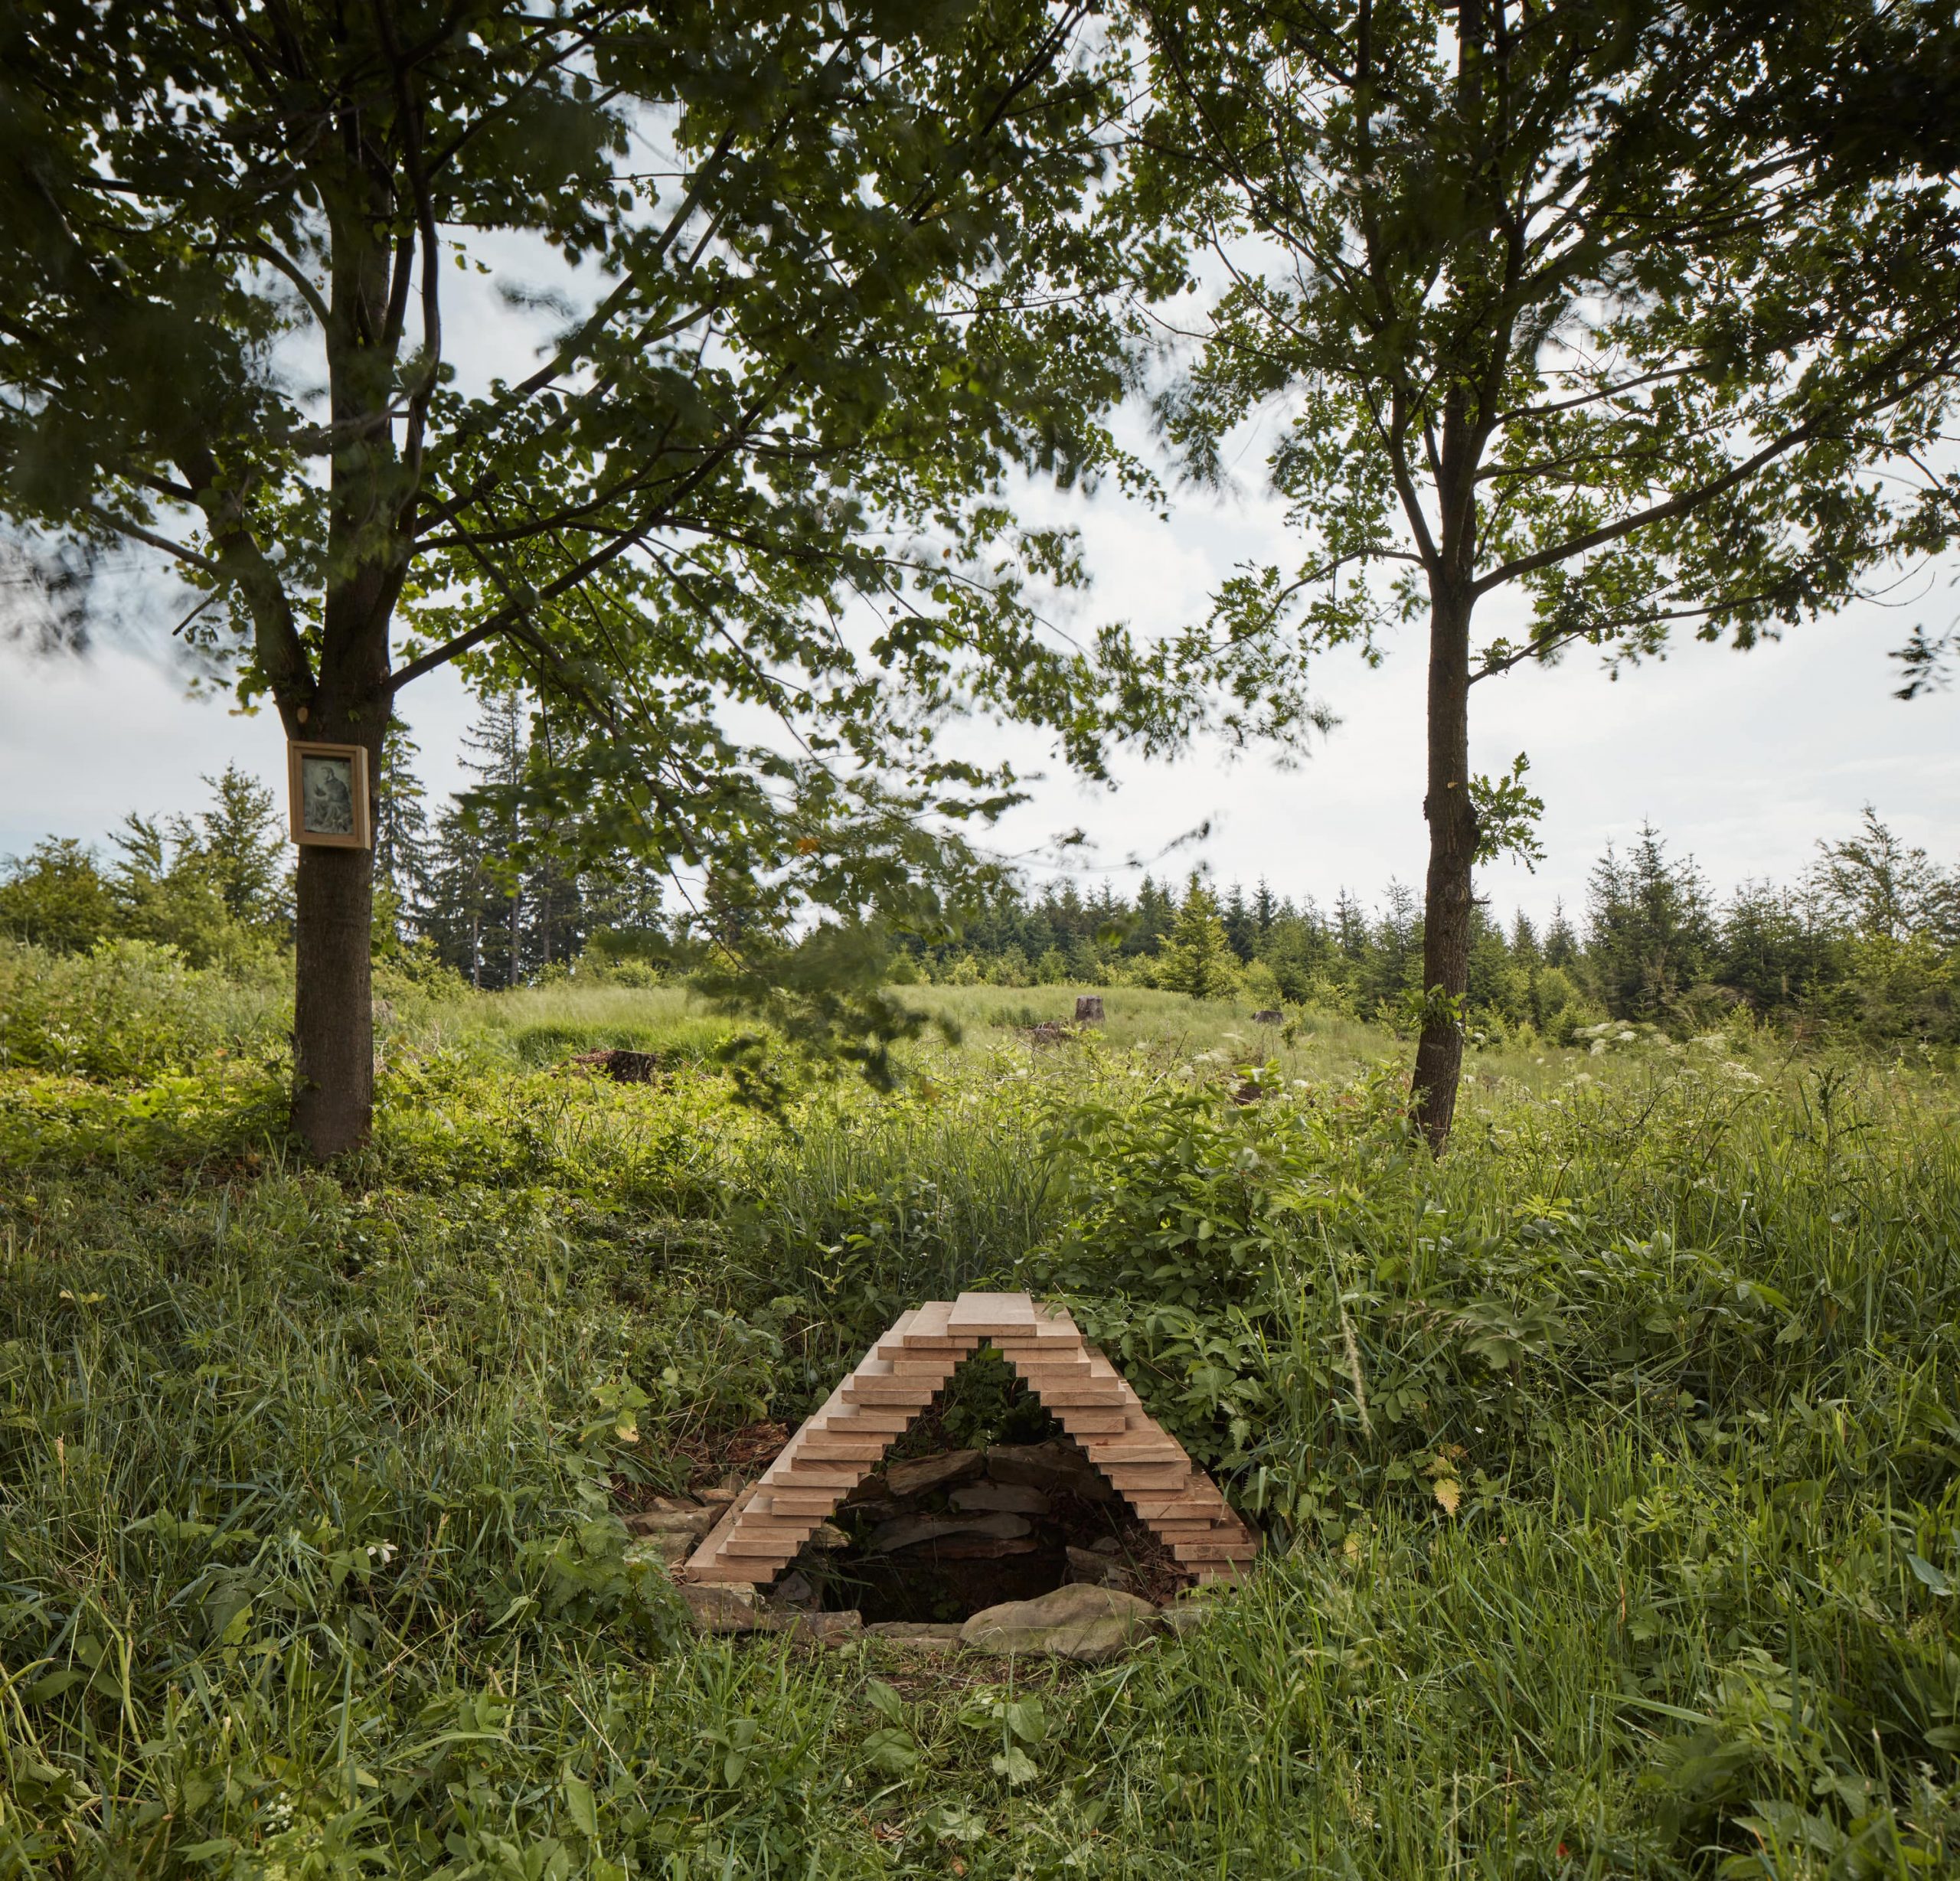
x=1014, y=1765
x=1024, y=1717
x=1930, y=1575
x=891, y=1749
x=579, y=1805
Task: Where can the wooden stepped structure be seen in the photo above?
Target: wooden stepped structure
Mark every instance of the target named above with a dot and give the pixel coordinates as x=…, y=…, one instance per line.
x=840, y=1444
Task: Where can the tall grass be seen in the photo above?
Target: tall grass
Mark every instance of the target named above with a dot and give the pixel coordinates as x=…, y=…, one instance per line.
x=1609, y=1467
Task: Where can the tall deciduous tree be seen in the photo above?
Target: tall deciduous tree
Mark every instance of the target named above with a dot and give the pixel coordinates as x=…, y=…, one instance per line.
x=812, y=283
x=1567, y=300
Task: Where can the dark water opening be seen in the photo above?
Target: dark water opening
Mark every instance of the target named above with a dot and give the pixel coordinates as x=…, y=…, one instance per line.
x=984, y=1498
x=918, y=1586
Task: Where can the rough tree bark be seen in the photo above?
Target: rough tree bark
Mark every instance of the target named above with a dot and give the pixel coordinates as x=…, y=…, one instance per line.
x=1448, y=892
x=333, y=1018
x=347, y=698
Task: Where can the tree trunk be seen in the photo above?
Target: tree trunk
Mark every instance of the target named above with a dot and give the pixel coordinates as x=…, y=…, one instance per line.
x=1447, y=903
x=333, y=1018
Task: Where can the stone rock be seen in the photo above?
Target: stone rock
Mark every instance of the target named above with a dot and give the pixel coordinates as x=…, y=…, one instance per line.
x=714, y=1609
x=1107, y=1545
x=662, y=1550
x=668, y=1518
x=1098, y=1570
x=1088, y=1009
x=827, y=1537
x=1007, y=1498
x=720, y=1609
x=921, y=1474
x=793, y=1590
x=964, y=1548
x=1057, y=1467
x=1074, y=1622
x=1187, y=1616
x=1269, y=1016
x=719, y=1498
x=874, y=1507
x=909, y=1530
x=822, y=1629
x=915, y=1635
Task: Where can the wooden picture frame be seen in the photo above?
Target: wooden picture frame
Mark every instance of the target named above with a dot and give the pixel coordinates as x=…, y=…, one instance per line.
x=327, y=788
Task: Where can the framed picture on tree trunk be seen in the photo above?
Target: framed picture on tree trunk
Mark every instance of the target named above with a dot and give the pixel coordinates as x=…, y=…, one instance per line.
x=329, y=791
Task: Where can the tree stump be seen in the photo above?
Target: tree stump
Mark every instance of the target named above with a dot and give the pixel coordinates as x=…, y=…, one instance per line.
x=1088, y=1009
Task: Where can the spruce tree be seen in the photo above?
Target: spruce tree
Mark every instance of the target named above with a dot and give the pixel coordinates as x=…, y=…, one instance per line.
x=1197, y=957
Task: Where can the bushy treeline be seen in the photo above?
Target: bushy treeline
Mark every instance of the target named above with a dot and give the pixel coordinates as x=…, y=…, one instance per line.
x=217, y=887
x=1868, y=941
x=473, y=888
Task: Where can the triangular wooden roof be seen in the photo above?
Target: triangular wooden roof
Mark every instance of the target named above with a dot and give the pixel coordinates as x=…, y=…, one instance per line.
x=894, y=1382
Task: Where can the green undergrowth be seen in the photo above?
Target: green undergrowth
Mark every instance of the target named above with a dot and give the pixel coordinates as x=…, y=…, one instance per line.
x=1607, y=1469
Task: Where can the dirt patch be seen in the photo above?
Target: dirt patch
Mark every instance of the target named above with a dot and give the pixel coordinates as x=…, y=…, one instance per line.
x=713, y=1457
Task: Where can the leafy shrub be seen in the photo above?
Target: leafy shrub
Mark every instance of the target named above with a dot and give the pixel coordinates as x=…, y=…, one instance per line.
x=130, y=1009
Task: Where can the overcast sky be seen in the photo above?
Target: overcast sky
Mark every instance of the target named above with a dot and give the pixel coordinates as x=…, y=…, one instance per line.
x=1744, y=760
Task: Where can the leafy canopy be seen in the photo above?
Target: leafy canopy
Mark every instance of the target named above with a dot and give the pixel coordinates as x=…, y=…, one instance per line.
x=1578, y=299
x=808, y=288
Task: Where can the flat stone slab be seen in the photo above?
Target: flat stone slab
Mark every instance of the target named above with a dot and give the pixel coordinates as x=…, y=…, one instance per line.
x=673, y=1518
x=712, y=1609
x=1005, y=1498
x=926, y=1473
x=736, y=1609
x=909, y=1531
x=1100, y=1570
x=1077, y=1621
x=915, y=1635
x=1056, y=1468
x=981, y=1548
x=664, y=1547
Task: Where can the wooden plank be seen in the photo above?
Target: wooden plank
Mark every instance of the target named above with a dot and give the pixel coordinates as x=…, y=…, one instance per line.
x=840, y=1446
x=711, y=1542
x=1128, y=1476
x=914, y=1393
x=814, y=1505
x=886, y=1419
x=1041, y=1342
x=1082, y=1421
x=1211, y=1550
x=928, y=1322
x=987, y=1313
x=1194, y=1502
x=938, y=1366
x=1130, y=1447
x=1062, y=1367
x=807, y=1470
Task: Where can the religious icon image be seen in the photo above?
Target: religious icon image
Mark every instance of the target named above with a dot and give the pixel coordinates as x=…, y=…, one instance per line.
x=329, y=788
x=326, y=796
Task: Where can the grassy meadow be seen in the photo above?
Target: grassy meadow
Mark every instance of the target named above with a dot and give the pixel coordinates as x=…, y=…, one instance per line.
x=1608, y=1468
